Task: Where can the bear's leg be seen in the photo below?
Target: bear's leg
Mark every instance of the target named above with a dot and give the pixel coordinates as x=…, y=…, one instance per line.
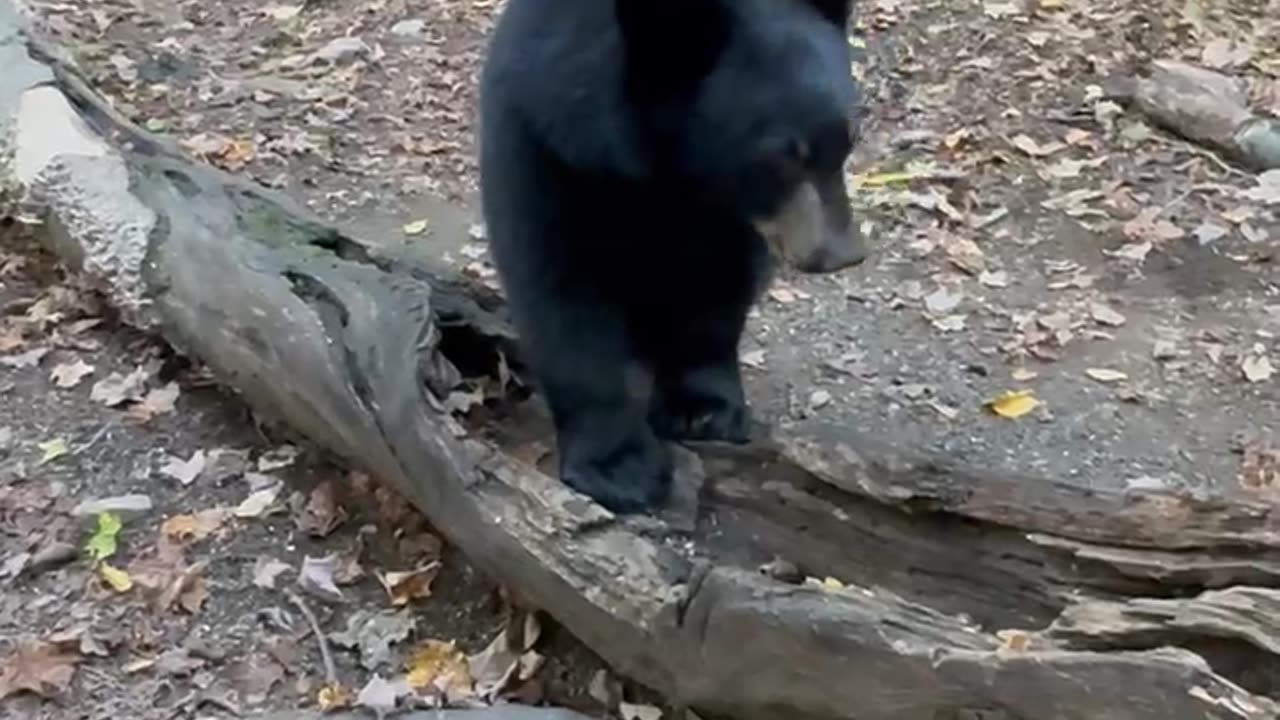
x=598, y=395
x=698, y=393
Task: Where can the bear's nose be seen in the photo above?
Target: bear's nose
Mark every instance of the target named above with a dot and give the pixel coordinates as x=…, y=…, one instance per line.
x=839, y=250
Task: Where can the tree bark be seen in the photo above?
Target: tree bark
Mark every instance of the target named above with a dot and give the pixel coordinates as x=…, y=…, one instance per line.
x=963, y=596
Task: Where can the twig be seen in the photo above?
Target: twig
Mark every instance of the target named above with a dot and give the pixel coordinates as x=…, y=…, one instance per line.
x=102, y=431
x=330, y=672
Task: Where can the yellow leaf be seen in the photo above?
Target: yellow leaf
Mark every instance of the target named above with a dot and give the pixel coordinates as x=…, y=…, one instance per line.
x=1105, y=375
x=103, y=543
x=438, y=664
x=882, y=179
x=1014, y=404
x=417, y=227
x=119, y=580
x=195, y=527
x=332, y=697
x=830, y=583
x=51, y=450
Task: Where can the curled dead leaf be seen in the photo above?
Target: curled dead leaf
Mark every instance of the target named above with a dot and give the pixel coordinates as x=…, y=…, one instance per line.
x=403, y=587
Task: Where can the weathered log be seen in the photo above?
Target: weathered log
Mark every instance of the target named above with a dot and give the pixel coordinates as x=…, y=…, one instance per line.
x=356, y=346
x=1206, y=107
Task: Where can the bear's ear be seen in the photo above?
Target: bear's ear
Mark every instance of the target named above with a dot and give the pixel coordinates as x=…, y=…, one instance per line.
x=837, y=11
x=670, y=45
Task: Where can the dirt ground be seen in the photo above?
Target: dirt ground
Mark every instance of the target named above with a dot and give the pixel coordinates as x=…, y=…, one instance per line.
x=1030, y=236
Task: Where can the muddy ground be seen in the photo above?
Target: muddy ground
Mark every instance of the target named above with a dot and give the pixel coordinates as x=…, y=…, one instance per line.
x=1031, y=236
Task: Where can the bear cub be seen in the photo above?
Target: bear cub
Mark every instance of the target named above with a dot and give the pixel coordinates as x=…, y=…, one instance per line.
x=642, y=163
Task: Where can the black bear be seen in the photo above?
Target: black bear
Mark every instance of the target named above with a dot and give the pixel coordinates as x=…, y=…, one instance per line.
x=639, y=161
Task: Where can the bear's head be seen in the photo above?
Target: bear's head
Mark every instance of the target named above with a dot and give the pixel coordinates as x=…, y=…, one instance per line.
x=750, y=104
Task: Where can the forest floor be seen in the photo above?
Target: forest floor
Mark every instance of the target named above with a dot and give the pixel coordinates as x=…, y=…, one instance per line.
x=1029, y=236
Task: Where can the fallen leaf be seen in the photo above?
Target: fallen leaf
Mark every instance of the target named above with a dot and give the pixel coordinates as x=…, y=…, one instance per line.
x=1105, y=315
x=417, y=227
x=163, y=572
x=69, y=374
x=177, y=662
x=118, y=579
x=185, y=471
x=258, y=502
x=1106, y=375
x=1014, y=404
x=51, y=450
x=102, y=544
x=277, y=458
x=994, y=279
x=38, y=667
x=628, y=711
x=1014, y=640
x=196, y=526
x=1221, y=53
x=281, y=13
x=322, y=513
x=1137, y=252
x=943, y=300
x=30, y=358
x=333, y=696
x=1268, y=188
x=439, y=665
x=116, y=389
x=1024, y=374
x=192, y=597
x=1257, y=368
x=159, y=401
x=1260, y=467
x=222, y=464
x=254, y=677
x=373, y=633
x=1207, y=233
x=266, y=571
x=316, y=577
x=379, y=696
x=1029, y=146
x=964, y=254
x=402, y=587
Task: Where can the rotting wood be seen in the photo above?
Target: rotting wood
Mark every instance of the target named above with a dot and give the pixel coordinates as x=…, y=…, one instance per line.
x=345, y=342
x=1206, y=107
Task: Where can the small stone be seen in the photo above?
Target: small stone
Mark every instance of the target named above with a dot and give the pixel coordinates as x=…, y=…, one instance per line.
x=408, y=28
x=341, y=50
x=120, y=504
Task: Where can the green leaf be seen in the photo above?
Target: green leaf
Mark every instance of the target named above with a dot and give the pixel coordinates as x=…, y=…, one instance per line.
x=52, y=450
x=103, y=543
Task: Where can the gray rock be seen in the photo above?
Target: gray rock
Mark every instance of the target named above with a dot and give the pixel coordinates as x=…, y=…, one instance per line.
x=120, y=504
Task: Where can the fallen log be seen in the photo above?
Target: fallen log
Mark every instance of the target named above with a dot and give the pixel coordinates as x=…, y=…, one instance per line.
x=1206, y=107
x=960, y=595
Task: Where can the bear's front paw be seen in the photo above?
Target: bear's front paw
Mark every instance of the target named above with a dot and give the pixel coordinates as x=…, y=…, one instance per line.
x=723, y=422
x=630, y=479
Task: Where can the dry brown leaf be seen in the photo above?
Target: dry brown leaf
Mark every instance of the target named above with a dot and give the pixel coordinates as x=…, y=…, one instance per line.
x=322, y=513
x=38, y=667
x=158, y=401
x=1260, y=468
x=403, y=587
x=442, y=666
x=196, y=526
x=1015, y=640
